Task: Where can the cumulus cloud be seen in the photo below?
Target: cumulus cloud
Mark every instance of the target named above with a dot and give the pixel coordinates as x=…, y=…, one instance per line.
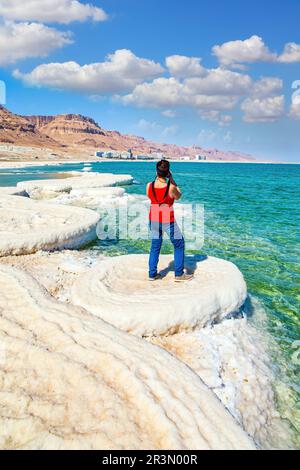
x=24, y=40
x=266, y=87
x=239, y=52
x=251, y=50
x=263, y=110
x=120, y=72
x=290, y=54
x=50, y=11
x=170, y=92
x=213, y=96
x=219, y=82
x=182, y=66
x=160, y=93
x=216, y=102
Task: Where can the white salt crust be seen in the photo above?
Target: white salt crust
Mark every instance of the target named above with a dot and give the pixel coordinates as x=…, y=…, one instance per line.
x=70, y=381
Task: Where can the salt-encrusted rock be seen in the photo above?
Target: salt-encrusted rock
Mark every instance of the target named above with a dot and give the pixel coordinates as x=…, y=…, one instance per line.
x=40, y=189
x=231, y=359
x=28, y=226
x=92, y=198
x=71, y=381
x=119, y=292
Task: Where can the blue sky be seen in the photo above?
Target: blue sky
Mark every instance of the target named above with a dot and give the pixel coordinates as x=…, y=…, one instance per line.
x=218, y=74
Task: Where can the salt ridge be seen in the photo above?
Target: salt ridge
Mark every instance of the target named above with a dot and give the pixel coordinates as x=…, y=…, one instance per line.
x=58, y=357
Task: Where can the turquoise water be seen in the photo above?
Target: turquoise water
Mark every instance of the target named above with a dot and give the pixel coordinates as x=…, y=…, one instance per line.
x=252, y=218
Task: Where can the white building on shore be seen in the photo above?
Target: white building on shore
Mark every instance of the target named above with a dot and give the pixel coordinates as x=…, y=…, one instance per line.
x=114, y=154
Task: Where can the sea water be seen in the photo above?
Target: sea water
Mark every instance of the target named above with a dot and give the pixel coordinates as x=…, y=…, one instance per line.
x=252, y=218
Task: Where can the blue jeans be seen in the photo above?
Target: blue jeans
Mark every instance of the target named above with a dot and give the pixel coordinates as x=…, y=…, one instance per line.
x=173, y=231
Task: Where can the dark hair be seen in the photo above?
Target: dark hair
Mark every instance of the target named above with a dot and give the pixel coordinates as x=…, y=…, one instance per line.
x=163, y=168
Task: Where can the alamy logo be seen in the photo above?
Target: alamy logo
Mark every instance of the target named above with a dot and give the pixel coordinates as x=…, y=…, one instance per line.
x=127, y=221
x=296, y=94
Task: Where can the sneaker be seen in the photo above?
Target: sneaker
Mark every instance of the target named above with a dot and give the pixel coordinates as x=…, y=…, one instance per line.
x=158, y=277
x=184, y=277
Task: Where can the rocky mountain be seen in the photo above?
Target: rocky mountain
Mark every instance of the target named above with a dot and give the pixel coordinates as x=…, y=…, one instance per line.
x=74, y=131
x=18, y=130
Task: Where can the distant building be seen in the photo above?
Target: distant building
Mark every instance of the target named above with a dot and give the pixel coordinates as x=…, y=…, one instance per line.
x=144, y=157
x=200, y=158
x=158, y=156
x=125, y=155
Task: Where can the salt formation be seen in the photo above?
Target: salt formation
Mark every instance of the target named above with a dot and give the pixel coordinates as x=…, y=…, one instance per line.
x=118, y=291
x=56, y=271
x=41, y=189
x=232, y=361
x=92, y=198
x=230, y=357
x=70, y=380
x=28, y=226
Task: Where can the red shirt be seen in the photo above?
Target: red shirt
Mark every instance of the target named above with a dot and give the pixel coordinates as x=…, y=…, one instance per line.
x=161, y=209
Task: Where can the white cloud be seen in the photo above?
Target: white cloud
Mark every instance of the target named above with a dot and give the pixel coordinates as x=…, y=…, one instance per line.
x=213, y=102
x=266, y=87
x=251, y=50
x=24, y=40
x=212, y=96
x=182, y=66
x=120, y=72
x=219, y=82
x=263, y=110
x=239, y=52
x=169, y=93
x=169, y=113
x=50, y=11
x=161, y=93
x=290, y=54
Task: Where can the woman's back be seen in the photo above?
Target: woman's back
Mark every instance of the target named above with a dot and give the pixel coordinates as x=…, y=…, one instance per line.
x=161, y=209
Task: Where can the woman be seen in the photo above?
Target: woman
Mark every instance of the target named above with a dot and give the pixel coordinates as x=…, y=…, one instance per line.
x=162, y=195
